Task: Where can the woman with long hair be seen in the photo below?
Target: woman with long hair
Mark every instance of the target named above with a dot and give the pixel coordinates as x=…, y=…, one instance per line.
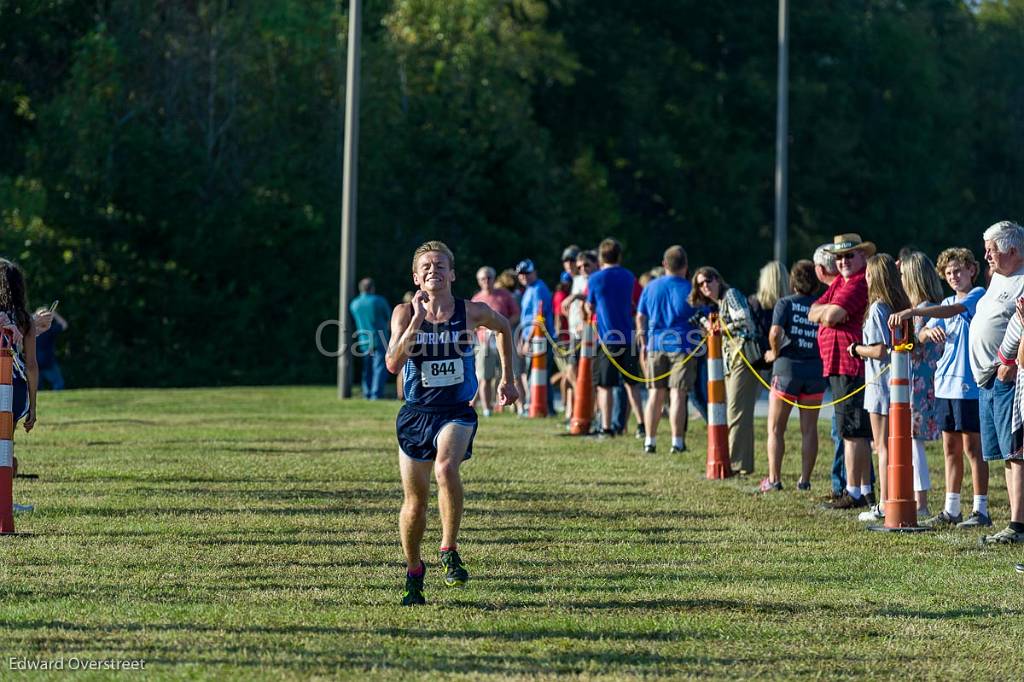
x=885, y=295
x=924, y=288
x=796, y=376
x=16, y=324
x=773, y=283
x=711, y=293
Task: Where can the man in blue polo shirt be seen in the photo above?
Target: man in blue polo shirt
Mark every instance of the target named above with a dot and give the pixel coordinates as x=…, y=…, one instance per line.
x=664, y=336
x=612, y=293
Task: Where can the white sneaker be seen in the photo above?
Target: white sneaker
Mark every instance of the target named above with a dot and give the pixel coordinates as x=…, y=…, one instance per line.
x=487, y=413
x=18, y=508
x=873, y=514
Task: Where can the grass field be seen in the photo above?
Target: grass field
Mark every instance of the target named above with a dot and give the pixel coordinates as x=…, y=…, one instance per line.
x=252, y=534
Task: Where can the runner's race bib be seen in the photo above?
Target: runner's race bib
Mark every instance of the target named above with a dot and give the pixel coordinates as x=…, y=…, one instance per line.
x=437, y=373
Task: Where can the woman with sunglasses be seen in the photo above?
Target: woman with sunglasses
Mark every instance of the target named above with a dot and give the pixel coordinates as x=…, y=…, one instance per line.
x=712, y=294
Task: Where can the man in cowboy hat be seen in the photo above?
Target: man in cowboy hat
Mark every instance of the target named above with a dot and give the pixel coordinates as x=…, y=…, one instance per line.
x=840, y=314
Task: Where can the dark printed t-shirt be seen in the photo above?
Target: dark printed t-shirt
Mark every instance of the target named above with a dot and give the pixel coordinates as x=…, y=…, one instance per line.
x=791, y=314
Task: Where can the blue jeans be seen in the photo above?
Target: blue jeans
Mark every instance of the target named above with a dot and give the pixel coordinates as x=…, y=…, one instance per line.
x=699, y=392
x=839, y=454
x=620, y=409
x=52, y=376
x=374, y=374
x=838, y=459
x=995, y=409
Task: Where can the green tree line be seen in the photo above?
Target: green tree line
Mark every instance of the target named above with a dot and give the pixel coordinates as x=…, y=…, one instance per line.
x=171, y=169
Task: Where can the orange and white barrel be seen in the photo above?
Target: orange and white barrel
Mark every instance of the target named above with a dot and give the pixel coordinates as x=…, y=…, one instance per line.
x=539, y=366
x=583, y=394
x=6, y=432
x=901, y=505
x=718, y=464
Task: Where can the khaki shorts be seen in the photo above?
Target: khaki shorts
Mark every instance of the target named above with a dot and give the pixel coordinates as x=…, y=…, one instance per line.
x=660, y=362
x=488, y=363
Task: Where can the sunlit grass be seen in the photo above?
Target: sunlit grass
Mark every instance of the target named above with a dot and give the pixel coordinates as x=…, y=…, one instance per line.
x=252, y=533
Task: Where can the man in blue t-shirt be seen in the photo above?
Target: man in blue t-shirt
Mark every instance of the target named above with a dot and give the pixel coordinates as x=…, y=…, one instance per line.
x=535, y=295
x=664, y=335
x=372, y=316
x=612, y=293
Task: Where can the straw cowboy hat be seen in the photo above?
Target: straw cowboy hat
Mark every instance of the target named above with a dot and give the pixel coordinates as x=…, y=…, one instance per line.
x=849, y=241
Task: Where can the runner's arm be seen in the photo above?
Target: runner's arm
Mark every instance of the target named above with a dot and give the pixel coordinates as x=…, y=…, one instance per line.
x=481, y=315
x=403, y=335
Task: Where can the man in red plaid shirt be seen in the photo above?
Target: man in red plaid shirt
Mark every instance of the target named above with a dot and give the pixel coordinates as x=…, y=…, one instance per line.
x=840, y=314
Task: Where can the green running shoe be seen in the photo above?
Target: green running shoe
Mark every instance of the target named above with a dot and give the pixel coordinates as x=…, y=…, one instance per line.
x=414, y=588
x=455, y=574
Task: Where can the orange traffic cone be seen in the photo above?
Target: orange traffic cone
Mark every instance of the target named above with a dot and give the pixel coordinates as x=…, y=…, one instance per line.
x=900, y=506
x=538, y=366
x=583, y=403
x=718, y=464
x=6, y=433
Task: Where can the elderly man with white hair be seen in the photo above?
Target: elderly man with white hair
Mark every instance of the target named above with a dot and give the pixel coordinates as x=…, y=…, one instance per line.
x=826, y=271
x=994, y=339
x=488, y=365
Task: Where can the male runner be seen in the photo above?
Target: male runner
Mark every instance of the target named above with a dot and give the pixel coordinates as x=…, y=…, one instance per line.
x=432, y=340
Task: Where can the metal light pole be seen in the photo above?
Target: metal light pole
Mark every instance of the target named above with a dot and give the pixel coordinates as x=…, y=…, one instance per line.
x=350, y=180
x=781, y=135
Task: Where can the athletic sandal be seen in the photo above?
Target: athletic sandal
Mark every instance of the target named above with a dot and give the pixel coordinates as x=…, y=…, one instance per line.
x=1006, y=536
x=873, y=514
x=943, y=520
x=414, y=588
x=455, y=574
x=976, y=520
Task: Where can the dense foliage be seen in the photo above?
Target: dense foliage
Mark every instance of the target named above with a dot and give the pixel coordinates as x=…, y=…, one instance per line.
x=171, y=170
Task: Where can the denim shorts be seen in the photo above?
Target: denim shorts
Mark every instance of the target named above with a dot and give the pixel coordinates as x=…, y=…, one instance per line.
x=995, y=412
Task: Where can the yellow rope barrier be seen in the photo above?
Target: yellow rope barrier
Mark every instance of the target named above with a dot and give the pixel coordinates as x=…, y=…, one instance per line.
x=558, y=349
x=798, y=405
x=645, y=380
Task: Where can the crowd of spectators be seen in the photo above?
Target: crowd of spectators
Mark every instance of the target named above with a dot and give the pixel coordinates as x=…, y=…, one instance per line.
x=821, y=330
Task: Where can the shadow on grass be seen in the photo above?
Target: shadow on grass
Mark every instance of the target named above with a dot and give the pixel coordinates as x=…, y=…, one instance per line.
x=306, y=648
